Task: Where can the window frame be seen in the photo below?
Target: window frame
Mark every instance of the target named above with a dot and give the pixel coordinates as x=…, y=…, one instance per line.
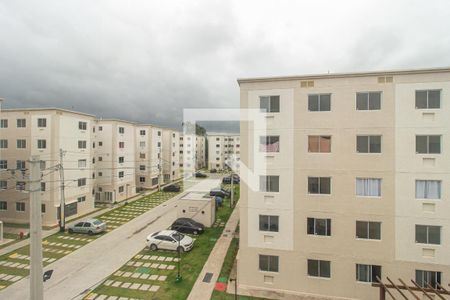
x=268, y=184
x=319, y=264
x=19, y=123
x=380, y=194
x=19, y=143
x=428, y=143
x=428, y=227
x=319, y=102
x=428, y=98
x=369, y=138
x=319, y=183
x=368, y=93
x=370, y=273
x=42, y=122
x=42, y=144
x=270, y=98
x=270, y=259
x=426, y=190
x=320, y=137
x=269, y=223
x=368, y=231
x=315, y=227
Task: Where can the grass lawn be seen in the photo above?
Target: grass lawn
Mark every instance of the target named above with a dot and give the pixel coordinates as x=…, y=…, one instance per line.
x=191, y=266
x=59, y=244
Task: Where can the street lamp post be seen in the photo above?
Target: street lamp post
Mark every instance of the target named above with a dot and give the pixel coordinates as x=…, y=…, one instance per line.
x=179, y=278
x=235, y=287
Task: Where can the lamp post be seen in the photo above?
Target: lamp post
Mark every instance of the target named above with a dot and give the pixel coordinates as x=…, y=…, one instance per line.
x=235, y=287
x=179, y=278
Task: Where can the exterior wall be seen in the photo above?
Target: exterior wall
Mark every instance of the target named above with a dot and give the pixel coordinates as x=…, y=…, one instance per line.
x=111, y=186
x=150, y=151
x=221, y=148
x=170, y=155
x=202, y=211
x=61, y=132
x=193, y=156
x=397, y=165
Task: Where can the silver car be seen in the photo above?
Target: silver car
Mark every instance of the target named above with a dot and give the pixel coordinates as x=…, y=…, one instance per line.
x=90, y=227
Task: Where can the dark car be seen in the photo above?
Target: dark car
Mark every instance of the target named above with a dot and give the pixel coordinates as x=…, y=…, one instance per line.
x=200, y=175
x=220, y=192
x=227, y=180
x=187, y=225
x=174, y=188
x=213, y=171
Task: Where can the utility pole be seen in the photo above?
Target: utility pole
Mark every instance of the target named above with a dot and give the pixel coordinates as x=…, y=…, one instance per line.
x=36, y=268
x=62, y=205
x=159, y=169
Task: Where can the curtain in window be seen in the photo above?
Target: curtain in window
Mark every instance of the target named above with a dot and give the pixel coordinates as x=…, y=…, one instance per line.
x=368, y=187
x=428, y=189
x=325, y=144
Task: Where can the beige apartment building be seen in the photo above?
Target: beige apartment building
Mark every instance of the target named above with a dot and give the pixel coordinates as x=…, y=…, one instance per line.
x=149, y=146
x=223, y=150
x=192, y=152
x=115, y=159
x=170, y=155
x=346, y=178
x=43, y=132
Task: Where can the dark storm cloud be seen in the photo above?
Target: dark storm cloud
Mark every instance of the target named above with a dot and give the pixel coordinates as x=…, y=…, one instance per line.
x=145, y=61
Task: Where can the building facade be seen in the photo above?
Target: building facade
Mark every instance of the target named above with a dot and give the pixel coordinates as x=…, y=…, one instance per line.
x=171, y=155
x=192, y=152
x=346, y=179
x=223, y=150
x=148, y=156
x=44, y=132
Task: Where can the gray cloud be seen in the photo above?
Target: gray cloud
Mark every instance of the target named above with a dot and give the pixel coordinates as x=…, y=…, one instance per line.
x=146, y=60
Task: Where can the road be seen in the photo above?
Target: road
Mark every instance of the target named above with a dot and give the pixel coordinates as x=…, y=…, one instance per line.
x=76, y=273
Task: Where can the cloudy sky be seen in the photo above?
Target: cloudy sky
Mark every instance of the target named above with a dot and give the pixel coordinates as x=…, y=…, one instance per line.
x=147, y=60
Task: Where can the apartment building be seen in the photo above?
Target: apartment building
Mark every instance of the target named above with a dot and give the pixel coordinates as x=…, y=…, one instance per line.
x=223, y=150
x=43, y=132
x=171, y=155
x=115, y=159
x=348, y=180
x=192, y=152
x=149, y=146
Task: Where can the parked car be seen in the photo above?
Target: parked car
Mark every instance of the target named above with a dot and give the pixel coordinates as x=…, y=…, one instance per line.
x=90, y=227
x=200, y=175
x=187, y=225
x=213, y=171
x=220, y=192
x=169, y=240
x=227, y=180
x=174, y=188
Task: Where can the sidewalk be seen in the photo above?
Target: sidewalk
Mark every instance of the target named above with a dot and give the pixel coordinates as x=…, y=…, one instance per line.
x=203, y=290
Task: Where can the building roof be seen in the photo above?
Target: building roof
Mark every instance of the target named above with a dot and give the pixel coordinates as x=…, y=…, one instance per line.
x=223, y=134
x=47, y=108
x=345, y=75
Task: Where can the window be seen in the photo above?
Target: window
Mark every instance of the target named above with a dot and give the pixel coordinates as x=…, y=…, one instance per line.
x=43, y=208
x=268, y=223
x=268, y=263
x=269, y=183
x=159, y=133
x=368, y=144
x=142, y=155
x=368, y=101
x=428, y=234
x=3, y=184
x=42, y=144
x=100, y=158
x=82, y=125
x=3, y=144
x=142, y=144
x=425, y=278
x=142, y=167
x=121, y=145
x=142, y=132
x=42, y=122
x=42, y=165
x=20, y=206
x=81, y=199
x=20, y=165
x=82, y=144
x=270, y=104
x=319, y=102
x=100, y=128
x=319, y=185
x=159, y=144
x=82, y=182
x=21, y=123
x=428, y=99
x=121, y=174
x=81, y=163
x=43, y=186
x=369, y=187
x=141, y=179
x=121, y=189
x=368, y=230
x=100, y=144
x=318, y=143
x=121, y=159
x=319, y=226
x=3, y=205
x=3, y=164
x=368, y=273
x=269, y=144
x=155, y=181
x=121, y=130
x=428, y=189
x=319, y=268
x=100, y=174
x=21, y=144
x=428, y=144
x=3, y=123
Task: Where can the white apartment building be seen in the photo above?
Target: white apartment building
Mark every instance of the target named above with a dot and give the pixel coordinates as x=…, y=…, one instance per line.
x=348, y=179
x=192, y=152
x=28, y=132
x=115, y=159
x=171, y=155
x=223, y=149
x=149, y=143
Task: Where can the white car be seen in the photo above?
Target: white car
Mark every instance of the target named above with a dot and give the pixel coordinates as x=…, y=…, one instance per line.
x=169, y=240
